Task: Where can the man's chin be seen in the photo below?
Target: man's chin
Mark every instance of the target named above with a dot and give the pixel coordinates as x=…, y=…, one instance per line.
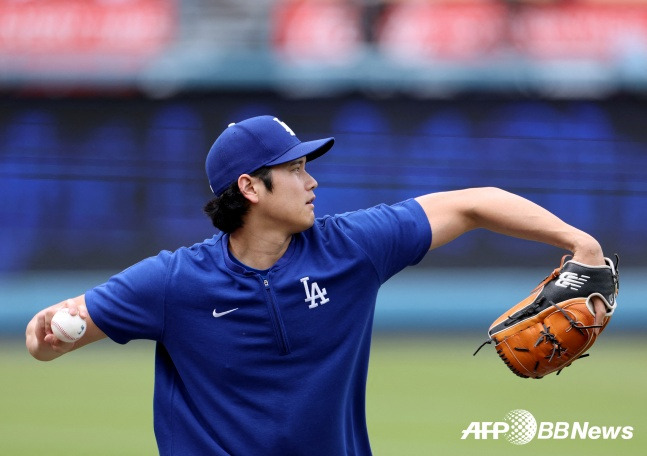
x=306, y=226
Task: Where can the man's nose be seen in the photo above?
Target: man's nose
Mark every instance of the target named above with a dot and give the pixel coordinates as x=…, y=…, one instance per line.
x=311, y=182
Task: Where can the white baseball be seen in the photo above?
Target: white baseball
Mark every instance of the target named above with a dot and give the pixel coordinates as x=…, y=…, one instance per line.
x=66, y=327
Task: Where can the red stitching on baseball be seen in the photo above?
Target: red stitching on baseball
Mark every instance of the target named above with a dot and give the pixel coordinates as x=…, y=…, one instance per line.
x=72, y=339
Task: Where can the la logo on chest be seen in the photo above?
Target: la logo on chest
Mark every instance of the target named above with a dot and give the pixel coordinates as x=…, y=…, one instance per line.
x=314, y=293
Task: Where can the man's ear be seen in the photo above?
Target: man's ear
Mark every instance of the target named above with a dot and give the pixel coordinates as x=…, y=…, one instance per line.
x=247, y=186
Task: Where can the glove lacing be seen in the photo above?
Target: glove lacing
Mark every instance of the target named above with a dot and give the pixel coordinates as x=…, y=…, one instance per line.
x=545, y=335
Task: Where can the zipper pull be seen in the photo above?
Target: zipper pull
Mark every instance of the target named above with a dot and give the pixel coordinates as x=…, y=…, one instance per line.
x=266, y=283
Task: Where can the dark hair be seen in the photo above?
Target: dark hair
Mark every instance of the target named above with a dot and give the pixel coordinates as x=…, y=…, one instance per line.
x=227, y=210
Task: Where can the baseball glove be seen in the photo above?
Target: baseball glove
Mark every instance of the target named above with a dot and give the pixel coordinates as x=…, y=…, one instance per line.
x=555, y=325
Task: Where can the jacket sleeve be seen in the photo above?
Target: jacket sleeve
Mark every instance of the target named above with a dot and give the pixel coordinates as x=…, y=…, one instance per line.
x=130, y=305
x=393, y=237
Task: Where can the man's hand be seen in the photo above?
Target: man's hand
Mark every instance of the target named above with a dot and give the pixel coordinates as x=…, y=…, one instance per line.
x=600, y=313
x=589, y=252
x=44, y=345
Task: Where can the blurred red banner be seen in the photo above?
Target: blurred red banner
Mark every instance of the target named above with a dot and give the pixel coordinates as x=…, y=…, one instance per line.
x=323, y=32
x=472, y=31
x=73, y=27
x=580, y=30
x=415, y=30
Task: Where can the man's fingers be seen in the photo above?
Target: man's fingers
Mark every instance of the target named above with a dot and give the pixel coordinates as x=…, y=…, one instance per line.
x=600, y=310
x=600, y=313
x=76, y=309
x=57, y=345
x=45, y=321
x=71, y=305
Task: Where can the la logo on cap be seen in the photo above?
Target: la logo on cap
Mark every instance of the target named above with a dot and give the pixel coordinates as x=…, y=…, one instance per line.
x=284, y=125
x=280, y=122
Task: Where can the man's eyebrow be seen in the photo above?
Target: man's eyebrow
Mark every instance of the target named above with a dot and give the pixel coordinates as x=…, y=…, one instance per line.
x=298, y=161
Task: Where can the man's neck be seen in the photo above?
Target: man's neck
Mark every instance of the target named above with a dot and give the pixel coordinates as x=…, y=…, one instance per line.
x=258, y=251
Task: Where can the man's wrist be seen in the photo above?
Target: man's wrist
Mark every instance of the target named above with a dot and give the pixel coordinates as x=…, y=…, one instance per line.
x=587, y=250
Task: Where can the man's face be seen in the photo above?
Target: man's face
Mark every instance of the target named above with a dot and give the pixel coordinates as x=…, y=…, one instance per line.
x=290, y=203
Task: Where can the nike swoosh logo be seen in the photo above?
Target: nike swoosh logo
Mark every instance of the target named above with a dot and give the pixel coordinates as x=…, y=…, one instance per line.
x=218, y=315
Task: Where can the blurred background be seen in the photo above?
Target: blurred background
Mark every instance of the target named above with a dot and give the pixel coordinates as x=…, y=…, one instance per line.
x=108, y=108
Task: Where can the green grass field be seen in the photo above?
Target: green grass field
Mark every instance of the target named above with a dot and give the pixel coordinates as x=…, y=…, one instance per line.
x=422, y=392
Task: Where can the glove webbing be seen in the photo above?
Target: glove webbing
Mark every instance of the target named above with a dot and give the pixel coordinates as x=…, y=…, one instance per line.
x=520, y=315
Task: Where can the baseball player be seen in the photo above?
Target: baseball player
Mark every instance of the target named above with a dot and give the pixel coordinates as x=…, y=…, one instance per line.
x=263, y=331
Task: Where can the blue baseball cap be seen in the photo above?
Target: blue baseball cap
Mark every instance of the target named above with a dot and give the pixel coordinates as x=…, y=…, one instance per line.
x=253, y=143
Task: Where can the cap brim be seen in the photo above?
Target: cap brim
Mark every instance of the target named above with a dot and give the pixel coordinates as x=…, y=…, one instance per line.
x=308, y=149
